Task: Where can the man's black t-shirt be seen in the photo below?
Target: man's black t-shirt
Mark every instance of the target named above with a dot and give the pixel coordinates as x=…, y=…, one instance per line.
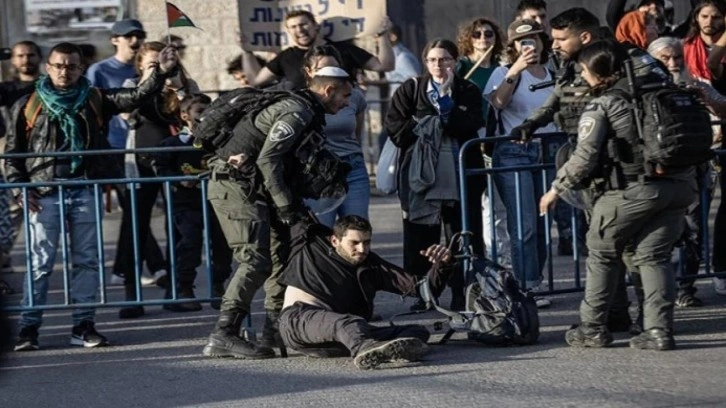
x=289, y=63
x=11, y=91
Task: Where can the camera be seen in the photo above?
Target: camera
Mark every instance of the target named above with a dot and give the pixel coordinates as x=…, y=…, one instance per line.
x=5, y=53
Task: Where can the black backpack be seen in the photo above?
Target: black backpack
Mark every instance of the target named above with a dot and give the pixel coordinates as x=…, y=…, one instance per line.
x=215, y=129
x=674, y=126
x=497, y=311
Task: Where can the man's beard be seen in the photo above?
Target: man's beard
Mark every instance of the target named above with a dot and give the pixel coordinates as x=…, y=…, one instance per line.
x=351, y=260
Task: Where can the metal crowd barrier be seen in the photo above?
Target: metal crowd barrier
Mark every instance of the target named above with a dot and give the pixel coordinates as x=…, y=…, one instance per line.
x=96, y=184
x=576, y=259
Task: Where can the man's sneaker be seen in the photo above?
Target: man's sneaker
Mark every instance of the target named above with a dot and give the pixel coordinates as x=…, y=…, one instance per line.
x=27, y=339
x=85, y=335
x=541, y=301
x=223, y=344
x=116, y=280
x=719, y=285
x=653, y=339
x=688, y=300
x=578, y=337
x=405, y=349
x=151, y=279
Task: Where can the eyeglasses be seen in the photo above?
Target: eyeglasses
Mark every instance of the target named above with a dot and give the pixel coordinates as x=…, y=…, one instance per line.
x=487, y=34
x=61, y=67
x=437, y=61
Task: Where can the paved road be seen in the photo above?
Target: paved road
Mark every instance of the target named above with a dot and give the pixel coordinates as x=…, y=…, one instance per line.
x=156, y=361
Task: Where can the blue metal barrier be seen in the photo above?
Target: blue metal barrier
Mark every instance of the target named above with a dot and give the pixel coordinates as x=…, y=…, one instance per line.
x=61, y=185
x=543, y=168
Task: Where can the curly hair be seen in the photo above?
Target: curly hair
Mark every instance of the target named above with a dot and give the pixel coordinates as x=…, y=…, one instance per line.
x=464, y=43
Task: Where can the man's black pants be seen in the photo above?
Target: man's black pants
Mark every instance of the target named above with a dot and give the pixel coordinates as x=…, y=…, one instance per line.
x=318, y=332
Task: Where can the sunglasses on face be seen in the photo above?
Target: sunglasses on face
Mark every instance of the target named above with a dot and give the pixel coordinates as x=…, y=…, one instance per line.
x=487, y=34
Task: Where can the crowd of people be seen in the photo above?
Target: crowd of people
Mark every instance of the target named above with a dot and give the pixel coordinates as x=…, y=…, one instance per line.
x=534, y=79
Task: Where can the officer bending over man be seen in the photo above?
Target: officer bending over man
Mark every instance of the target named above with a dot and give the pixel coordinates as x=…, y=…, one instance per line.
x=256, y=201
x=331, y=280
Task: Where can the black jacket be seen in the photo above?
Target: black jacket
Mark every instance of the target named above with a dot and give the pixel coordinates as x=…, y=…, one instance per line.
x=316, y=268
x=42, y=137
x=411, y=101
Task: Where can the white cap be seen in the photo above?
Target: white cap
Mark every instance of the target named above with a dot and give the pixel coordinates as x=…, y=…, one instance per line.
x=333, y=72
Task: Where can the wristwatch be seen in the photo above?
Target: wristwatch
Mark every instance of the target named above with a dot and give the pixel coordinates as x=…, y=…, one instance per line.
x=509, y=80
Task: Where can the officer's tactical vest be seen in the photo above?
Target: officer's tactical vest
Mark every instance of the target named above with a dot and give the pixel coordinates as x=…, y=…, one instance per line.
x=573, y=100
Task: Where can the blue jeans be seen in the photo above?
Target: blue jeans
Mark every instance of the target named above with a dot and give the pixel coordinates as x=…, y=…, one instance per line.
x=525, y=259
x=45, y=232
x=356, y=201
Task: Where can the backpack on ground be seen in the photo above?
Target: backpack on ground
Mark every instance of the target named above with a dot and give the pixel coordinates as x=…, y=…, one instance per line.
x=497, y=311
x=215, y=129
x=673, y=125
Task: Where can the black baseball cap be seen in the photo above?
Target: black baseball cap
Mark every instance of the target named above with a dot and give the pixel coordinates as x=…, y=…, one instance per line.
x=125, y=27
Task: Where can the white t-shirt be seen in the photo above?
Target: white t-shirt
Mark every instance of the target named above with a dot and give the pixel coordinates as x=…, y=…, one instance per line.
x=523, y=101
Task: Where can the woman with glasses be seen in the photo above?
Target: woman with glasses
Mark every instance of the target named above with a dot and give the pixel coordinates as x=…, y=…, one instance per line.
x=441, y=111
x=507, y=91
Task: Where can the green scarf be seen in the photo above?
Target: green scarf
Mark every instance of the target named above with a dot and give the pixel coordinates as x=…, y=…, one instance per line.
x=63, y=106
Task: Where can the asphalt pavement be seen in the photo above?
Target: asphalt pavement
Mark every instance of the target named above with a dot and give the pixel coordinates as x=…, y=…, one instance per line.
x=156, y=360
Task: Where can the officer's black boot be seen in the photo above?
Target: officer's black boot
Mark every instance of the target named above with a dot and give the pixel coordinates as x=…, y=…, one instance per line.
x=226, y=342
x=271, y=332
x=130, y=312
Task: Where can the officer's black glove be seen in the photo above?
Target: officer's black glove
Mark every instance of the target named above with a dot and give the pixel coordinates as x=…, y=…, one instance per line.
x=293, y=214
x=524, y=131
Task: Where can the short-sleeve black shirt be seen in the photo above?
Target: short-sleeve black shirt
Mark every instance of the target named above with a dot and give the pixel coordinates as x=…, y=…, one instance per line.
x=289, y=63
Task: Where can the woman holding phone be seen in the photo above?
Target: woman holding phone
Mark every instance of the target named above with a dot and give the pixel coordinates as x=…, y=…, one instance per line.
x=508, y=92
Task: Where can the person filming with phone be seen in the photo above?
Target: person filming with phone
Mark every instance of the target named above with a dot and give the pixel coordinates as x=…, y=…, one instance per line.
x=509, y=96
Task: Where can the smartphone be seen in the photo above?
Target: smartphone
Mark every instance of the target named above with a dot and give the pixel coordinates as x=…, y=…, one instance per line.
x=5, y=54
x=528, y=43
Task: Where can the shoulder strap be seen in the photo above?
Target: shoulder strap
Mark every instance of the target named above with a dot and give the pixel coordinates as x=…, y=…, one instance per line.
x=34, y=106
x=32, y=109
x=95, y=99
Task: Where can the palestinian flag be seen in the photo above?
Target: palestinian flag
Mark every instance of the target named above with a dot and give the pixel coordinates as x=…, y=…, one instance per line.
x=177, y=18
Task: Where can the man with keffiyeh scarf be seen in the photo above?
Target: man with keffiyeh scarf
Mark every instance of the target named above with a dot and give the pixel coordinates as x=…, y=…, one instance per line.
x=67, y=114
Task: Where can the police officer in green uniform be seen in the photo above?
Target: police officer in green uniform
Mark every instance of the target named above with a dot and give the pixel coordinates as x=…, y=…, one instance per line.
x=572, y=30
x=255, y=199
x=632, y=208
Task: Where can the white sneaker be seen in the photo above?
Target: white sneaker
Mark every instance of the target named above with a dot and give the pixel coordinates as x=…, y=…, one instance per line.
x=719, y=285
x=541, y=301
x=150, y=280
x=116, y=280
